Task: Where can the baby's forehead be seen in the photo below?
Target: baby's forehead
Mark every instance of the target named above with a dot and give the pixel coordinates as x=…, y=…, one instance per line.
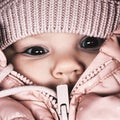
x=46, y=37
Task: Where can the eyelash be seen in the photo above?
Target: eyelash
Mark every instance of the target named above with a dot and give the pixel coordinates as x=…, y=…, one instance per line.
x=91, y=43
x=36, y=50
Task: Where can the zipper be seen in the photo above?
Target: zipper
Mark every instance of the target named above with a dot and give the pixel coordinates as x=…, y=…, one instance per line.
x=60, y=103
x=22, y=78
x=63, y=102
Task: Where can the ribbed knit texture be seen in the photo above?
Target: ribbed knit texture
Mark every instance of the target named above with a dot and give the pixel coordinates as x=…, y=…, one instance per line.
x=21, y=18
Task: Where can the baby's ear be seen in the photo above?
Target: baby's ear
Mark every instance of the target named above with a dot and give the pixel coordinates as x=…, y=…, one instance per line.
x=3, y=61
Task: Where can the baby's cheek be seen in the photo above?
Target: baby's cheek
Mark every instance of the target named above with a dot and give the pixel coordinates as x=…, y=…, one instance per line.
x=86, y=58
x=37, y=75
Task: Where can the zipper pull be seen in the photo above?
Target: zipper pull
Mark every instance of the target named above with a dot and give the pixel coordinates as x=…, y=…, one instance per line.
x=63, y=101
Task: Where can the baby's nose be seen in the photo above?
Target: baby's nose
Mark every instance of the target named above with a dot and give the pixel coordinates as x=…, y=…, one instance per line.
x=67, y=69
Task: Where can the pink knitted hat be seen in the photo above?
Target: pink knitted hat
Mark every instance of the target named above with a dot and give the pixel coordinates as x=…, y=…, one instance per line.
x=22, y=18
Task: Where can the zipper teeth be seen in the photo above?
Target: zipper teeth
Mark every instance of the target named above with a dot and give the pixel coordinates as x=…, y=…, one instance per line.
x=27, y=81
x=52, y=99
x=45, y=91
x=22, y=78
x=91, y=75
x=95, y=71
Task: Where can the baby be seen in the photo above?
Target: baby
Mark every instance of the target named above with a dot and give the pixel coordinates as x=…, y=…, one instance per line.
x=54, y=43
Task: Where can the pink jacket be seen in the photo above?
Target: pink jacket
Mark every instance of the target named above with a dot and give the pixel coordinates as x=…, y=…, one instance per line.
x=94, y=97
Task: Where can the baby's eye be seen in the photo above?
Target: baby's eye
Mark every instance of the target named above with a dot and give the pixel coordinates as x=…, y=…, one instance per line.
x=36, y=50
x=91, y=43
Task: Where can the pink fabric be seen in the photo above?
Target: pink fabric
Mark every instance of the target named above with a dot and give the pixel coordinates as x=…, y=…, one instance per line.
x=96, y=18
x=11, y=109
x=94, y=107
x=101, y=78
x=105, y=82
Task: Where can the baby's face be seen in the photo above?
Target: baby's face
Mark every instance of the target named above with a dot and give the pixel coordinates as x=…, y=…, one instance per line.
x=51, y=59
